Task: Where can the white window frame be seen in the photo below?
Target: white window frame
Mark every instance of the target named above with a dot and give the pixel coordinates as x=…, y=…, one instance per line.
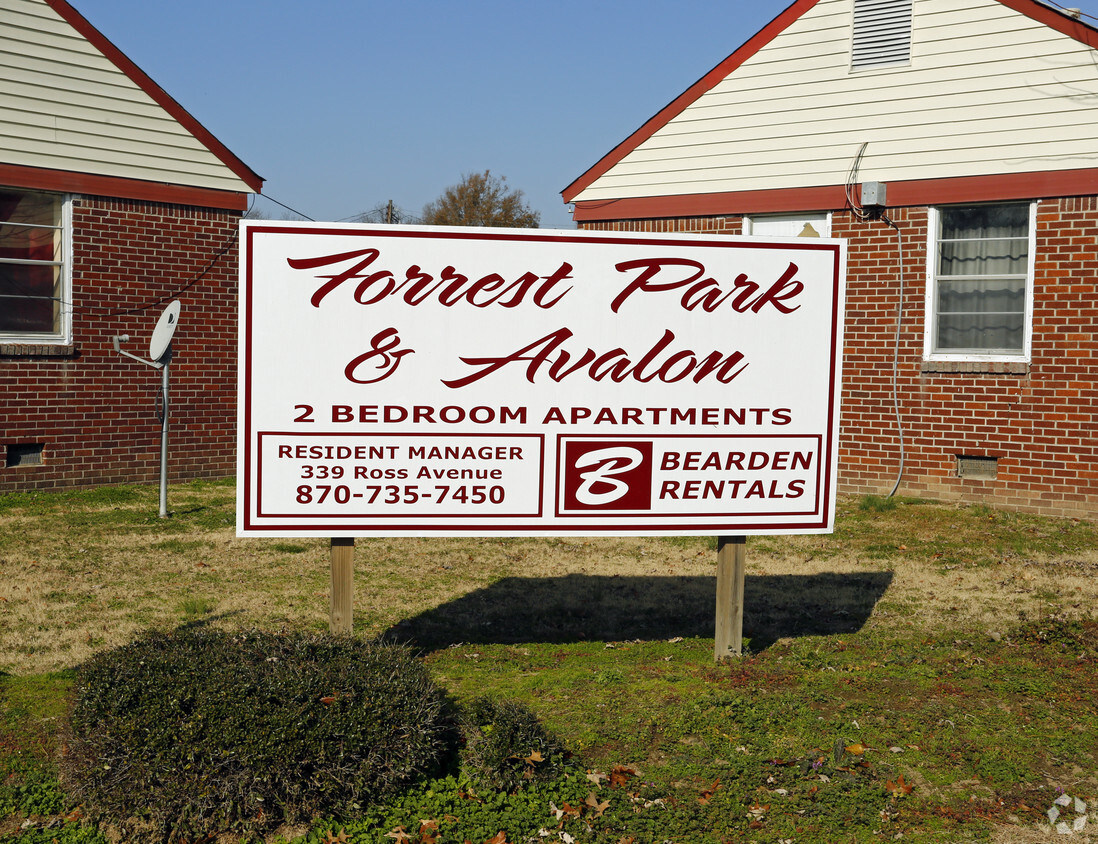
x=749, y=221
x=931, y=309
x=63, y=335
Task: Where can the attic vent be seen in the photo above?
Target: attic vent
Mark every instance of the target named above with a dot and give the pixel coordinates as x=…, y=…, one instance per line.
x=882, y=33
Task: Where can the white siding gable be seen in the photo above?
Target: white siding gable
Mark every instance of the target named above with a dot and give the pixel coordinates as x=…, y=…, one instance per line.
x=65, y=106
x=987, y=91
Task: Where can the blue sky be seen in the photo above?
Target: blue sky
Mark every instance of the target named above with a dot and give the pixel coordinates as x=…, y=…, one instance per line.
x=342, y=105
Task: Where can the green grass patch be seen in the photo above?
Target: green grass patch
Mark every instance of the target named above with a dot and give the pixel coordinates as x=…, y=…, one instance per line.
x=196, y=608
x=290, y=547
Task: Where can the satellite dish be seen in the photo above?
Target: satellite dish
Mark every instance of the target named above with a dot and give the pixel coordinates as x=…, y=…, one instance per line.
x=164, y=331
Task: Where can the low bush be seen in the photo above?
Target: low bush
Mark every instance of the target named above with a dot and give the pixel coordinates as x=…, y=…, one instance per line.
x=198, y=732
x=506, y=746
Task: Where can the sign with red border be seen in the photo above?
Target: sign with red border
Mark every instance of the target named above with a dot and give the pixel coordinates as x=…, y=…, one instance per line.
x=417, y=381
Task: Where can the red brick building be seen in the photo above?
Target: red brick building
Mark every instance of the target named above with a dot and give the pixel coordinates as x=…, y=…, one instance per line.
x=114, y=201
x=971, y=340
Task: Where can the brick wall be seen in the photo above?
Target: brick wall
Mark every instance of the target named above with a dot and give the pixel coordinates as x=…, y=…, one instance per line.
x=93, y=410
x=1038, y=421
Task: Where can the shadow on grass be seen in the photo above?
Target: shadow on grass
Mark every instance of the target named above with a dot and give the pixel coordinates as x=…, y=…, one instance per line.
x=590, y=607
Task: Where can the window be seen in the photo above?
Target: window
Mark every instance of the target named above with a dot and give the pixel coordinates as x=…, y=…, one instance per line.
x=811, y=224
x=882, y=34
x=980, y=290
x=34, y=268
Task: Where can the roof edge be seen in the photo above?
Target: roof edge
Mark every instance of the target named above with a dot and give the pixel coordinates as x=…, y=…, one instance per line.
x=158, y=94
x=992, y=188
x=759, y=40
x=64, y=181
x=1062, y=23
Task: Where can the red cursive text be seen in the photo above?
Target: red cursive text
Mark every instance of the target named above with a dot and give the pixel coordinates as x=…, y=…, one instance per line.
x=450, y=287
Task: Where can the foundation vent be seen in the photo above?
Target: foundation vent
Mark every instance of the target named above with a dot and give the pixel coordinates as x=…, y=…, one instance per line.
x=24, y=454
x=980, y=468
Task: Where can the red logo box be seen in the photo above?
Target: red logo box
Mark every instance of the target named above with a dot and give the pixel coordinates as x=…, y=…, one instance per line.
x=607, y=475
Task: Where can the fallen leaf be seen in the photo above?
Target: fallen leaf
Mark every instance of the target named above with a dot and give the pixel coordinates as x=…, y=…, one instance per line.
x=596, y=777
x=621, y=775
x=398, y=833
x=707, y=793
x=856, y=749
x=499, y=838
x=899, y=788
x=327, y=700
x=534, y=757
x=593, y=802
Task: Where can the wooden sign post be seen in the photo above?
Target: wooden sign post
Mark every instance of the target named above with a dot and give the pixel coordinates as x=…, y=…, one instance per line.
x=731, y=562
x=343, y=556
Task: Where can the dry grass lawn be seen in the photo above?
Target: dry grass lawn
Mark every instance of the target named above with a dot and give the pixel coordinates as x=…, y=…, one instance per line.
x=83, y=572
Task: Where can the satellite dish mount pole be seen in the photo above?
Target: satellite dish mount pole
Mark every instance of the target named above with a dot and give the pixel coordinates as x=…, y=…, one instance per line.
x=160, y=355
x=165, y=359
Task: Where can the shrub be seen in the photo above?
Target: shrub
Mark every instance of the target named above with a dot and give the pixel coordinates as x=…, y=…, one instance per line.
x=198, y=732
x=506, y=746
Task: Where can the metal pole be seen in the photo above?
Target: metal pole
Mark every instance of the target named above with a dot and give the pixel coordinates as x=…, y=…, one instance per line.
x=164, y=433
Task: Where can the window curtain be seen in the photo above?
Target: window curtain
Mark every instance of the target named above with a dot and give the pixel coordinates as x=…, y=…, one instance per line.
x=30, y=262
x=982, y=269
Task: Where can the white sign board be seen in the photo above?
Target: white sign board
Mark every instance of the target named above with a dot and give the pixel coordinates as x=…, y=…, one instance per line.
x=454, y=382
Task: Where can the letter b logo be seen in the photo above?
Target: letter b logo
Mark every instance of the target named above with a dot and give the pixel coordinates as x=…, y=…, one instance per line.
x=606, y=475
